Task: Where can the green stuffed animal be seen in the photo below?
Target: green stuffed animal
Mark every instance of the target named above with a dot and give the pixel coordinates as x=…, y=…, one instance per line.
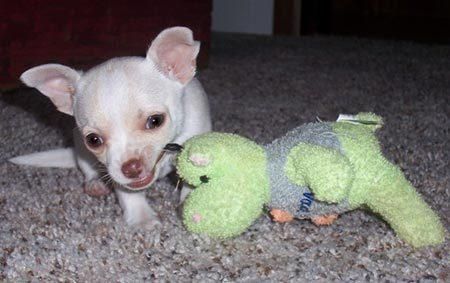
x=316, y=172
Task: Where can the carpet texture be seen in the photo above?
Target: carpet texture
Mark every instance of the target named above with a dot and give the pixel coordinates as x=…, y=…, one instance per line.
x=259, y=87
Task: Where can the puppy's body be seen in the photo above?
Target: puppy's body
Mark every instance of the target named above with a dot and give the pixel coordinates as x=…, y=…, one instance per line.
x=127, y=110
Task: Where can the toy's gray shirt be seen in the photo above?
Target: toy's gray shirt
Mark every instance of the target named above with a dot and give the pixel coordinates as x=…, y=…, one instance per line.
x=287, y=196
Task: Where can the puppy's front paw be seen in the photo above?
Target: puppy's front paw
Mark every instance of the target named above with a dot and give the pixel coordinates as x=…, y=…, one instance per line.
x=96, y=188
x=144, y=218
x=145, y=223
x=149, y=223
x=137, y=212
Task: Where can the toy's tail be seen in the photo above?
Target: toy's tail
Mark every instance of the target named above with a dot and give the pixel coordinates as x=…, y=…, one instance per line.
x=402, y=207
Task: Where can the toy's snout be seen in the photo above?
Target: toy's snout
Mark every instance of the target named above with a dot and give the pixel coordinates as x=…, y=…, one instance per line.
x=199, y=160
x=196, y=217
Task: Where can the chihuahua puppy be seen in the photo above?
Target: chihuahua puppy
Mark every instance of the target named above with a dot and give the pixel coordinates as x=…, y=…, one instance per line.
x=127, y=110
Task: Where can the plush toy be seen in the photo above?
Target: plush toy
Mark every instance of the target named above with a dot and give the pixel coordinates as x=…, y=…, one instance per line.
x=316, y=172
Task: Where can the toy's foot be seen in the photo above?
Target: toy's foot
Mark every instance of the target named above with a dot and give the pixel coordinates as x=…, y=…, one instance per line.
x=96, y=188
x=281, y=216
x=324, y=219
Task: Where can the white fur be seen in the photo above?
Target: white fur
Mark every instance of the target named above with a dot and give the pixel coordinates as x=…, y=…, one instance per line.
x=60, y=158
x=114, y=100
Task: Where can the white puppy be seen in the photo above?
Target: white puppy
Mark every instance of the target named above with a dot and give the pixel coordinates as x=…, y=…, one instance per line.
x=127, y=110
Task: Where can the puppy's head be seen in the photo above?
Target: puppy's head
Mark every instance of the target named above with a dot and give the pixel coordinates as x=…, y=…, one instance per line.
x=127, y=109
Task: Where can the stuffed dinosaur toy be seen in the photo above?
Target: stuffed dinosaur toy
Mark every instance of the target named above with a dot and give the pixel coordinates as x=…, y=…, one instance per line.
x=316, y=171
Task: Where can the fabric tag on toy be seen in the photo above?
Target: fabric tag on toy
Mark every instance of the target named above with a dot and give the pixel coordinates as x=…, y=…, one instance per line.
x=354, y=120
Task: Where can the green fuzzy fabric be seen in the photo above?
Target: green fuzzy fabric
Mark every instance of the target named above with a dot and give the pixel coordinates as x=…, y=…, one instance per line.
x=229, y=202
x=382, y=187
x=325, y=171
x=232, y=186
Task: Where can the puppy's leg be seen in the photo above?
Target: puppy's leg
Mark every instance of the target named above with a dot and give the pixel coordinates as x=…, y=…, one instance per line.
x=137, y=211
x=185, y=191
x=167, y=165
x=86, y=161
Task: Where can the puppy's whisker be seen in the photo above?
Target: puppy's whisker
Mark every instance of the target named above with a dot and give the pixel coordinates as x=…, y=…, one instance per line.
x=102, y=170
x=105, y=177
x=107, y=180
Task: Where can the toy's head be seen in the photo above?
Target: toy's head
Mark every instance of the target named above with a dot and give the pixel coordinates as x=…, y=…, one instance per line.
x=231, y=186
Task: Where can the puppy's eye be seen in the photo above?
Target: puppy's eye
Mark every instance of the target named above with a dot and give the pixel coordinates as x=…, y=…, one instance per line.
x=154, y=121
x=94, y=140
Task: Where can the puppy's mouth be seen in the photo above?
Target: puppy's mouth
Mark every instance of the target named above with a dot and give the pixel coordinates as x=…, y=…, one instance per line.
x=146, y=180
x=143, y=182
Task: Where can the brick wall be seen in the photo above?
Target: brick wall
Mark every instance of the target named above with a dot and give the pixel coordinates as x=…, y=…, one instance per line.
x=83, y=33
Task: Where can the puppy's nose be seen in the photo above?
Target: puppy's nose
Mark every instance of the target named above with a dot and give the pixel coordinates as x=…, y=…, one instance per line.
x=132, y=168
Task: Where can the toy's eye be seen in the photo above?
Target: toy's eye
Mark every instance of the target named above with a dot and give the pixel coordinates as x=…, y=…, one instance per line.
x=204, y=179
x=154, y=121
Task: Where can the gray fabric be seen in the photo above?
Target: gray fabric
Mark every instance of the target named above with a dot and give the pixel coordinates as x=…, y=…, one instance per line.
x=287, y=196
x=259, y=87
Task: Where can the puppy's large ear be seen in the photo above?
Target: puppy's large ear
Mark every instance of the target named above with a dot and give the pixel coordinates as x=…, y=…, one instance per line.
x=174, y=51
x=54, y=81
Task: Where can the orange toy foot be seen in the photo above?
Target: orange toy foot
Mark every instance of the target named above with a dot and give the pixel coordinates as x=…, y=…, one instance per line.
x=324, y=219
x=281, y=215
